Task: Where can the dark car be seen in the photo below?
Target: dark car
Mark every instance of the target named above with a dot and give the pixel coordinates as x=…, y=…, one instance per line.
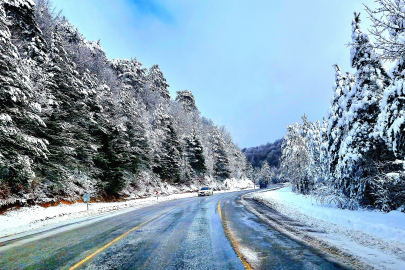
x=263, y=185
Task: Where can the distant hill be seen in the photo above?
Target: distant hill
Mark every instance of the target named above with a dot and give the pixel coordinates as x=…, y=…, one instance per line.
x=270, y=152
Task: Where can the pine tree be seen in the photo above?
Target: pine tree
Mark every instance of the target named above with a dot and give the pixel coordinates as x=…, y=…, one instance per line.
x=391, y=119
x=27, y=36
x=335, y=120
x=168, y=161
x=314, y=142
x=250, y=172
x=324, y=155
x=360, y=147
x=18, y=116
x=194, y=152
x=265, y=174
x=68, y=122
x=135, y=134
x=110, y=160
x=156, y=83
x=131, y=75
x=186, y=98
x=221, y=161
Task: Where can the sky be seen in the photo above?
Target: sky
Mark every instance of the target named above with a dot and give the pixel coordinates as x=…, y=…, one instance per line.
x=254, y=66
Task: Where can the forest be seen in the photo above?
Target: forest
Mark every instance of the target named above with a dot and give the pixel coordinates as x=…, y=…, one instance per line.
x=354, y=157
x=72, y=120
x=270, y=152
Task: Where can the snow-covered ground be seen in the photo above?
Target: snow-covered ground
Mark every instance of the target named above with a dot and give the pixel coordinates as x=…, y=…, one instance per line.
x=374, y=237
x=29, y=218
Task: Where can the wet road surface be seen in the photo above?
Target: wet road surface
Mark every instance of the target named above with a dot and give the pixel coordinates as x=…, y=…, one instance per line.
x=179, y=234
x=267, y=248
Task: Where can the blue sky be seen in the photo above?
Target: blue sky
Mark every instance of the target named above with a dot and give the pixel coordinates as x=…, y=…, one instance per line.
x=253, y=66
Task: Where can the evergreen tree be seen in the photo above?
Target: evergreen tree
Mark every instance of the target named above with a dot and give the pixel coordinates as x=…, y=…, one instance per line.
x=391, y=121
x=324, y=156
x=265, y=174
x=18, y=116
x=156, y=83
x=314, y=142
x=335, y=123
x=250, y=172
x=131, y=75
x=110, y=160
x=359, y=149
x=186, y=98
x=71, y=116
x=168, y=161
x=67, y=123
x=26, y=34
x=195, y=154
x=221, y=161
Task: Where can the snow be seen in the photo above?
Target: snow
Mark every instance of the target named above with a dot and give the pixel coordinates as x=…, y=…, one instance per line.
x=375, y=237
x=30, y=218
x=387, y=225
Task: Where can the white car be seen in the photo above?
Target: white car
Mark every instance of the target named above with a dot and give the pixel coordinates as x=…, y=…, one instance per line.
x=205, y=191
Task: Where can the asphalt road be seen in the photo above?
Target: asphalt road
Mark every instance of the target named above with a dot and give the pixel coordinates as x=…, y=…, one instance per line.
x=179, y=234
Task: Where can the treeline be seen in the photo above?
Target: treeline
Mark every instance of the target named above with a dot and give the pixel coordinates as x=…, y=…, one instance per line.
x=355, y=157
x=270, y=152
x=264, y=162
x=65, y=109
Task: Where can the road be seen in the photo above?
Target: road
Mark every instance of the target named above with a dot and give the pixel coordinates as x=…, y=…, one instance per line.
x=180, y=234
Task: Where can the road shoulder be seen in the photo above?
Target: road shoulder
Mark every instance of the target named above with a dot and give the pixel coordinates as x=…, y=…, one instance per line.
x=350, y=246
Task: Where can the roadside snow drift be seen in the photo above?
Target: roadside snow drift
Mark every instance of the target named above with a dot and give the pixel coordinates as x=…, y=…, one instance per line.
x=390, y=225
x=375, y=237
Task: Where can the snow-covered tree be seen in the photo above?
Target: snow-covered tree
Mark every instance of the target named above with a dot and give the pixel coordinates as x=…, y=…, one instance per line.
x=131, y=75
x=314, y=142
x=168, y=161
x=46, y=17
x=68, y=113
x=157, y=83
x=360, y=145
x=194, y=152
x=295, y=158
x=67, y=122
x=26, y=34
x=250, y=172
x=186, y=98
x=18, y=116
x=265, y=174
x=220, y=155
x=335, y=117
x=324, y=155
x=388, y=28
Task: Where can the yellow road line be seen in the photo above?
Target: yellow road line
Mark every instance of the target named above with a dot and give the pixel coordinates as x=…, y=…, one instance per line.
x=91, y=256
x=233, y=241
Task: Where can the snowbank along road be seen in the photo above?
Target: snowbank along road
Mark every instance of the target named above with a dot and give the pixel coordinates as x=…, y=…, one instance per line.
x=215, y=232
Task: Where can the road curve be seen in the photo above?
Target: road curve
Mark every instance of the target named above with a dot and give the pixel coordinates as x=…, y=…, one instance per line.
x=185, y=234
x=179, y=234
